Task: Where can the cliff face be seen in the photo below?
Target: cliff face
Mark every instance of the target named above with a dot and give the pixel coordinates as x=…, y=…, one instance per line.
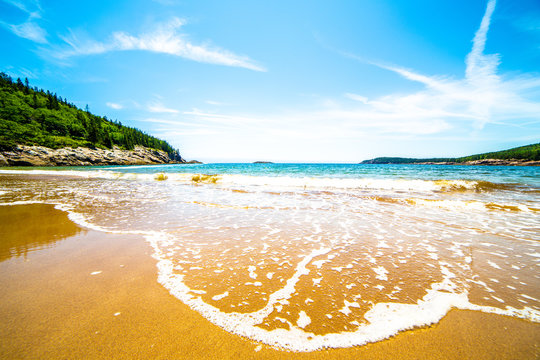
x=23, y=155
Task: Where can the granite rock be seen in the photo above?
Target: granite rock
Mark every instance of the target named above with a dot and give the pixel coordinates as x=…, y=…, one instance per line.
x=23, y=155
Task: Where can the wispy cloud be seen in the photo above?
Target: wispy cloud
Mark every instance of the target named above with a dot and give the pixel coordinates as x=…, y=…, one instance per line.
x=167, y=2
x=215, y=103
x=165, y=38
x=157, y=107
x=114, y=106
x=30, y=29
x=482, y=96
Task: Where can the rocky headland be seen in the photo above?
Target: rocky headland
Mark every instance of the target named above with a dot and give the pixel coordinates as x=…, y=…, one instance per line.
x=23, y=155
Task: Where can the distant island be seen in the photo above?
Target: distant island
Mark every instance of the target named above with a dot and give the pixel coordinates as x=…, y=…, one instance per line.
x=262, y=162
x=39, y=128
x=528, y=155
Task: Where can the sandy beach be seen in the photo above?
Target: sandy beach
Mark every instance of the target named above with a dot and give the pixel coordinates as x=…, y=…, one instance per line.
x=70, y=292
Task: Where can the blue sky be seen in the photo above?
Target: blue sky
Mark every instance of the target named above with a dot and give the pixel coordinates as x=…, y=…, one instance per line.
x=298, y=81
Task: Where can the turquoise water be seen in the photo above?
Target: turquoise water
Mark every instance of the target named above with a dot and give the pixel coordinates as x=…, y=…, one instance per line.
x=529, y=175
x=307, y=256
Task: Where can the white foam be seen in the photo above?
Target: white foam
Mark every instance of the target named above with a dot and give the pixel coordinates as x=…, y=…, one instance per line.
x=22, y=202
x=252, y=273
x=382, y=244
x=381, y=273
x=303, y=320
x=319, y=263
x=95, y=273
x=220, y=296
x=346, y=307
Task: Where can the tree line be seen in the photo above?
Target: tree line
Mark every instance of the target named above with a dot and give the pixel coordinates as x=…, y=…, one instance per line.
x=527, y=152
x=32, y=116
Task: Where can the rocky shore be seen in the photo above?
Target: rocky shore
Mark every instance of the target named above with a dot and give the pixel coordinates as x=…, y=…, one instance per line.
x=486, y=162
x=23, y=155
x=489, y=162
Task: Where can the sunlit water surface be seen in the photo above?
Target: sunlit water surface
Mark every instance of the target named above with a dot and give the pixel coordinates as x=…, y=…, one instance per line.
x=306, y=256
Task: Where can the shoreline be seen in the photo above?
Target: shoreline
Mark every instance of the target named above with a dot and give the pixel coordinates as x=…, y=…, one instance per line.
x=83, y=293
x=483, y=162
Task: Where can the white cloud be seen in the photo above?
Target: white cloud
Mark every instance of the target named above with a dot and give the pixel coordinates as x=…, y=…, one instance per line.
x=32, y=7
x=158, y=107
x=215, y=103
x=115, y=106
x=29, y=29
x=446, y=109
x=482, y=96
x=166, y=39
x=357, y=97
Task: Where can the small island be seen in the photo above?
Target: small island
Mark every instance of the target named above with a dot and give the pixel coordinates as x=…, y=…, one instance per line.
x=262, y=162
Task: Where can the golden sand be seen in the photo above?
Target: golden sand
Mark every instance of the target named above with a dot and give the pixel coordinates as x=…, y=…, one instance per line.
x=73, y=293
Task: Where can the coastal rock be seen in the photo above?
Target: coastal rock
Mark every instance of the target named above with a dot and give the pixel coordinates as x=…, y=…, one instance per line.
x=3, y=161
x=24, y=155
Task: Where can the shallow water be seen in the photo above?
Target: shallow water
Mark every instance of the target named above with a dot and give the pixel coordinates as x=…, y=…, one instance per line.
x=306, y=256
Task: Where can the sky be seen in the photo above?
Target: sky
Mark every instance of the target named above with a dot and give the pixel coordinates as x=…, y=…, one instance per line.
x=291, y=81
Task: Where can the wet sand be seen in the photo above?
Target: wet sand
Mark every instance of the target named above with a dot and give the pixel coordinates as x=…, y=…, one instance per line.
x=69, y=292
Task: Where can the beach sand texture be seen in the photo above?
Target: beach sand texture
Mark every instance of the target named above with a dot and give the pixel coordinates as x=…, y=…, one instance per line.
x=70, y=292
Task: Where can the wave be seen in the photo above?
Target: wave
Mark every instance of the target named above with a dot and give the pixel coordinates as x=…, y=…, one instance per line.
x=471, y=205
x=286, y=182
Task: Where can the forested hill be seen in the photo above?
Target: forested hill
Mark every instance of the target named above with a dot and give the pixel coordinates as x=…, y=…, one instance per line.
x=522, y=153
x=32, y=116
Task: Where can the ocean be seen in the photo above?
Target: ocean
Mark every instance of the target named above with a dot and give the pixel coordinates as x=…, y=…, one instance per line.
x=312, y=256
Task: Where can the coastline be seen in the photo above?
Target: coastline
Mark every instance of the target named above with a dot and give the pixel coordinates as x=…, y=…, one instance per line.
x=488, y=162
x=23, y=155
x=483, y=162
x=80, y=293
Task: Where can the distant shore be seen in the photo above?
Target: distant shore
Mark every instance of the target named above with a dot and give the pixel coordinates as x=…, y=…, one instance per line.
x=483, y=162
